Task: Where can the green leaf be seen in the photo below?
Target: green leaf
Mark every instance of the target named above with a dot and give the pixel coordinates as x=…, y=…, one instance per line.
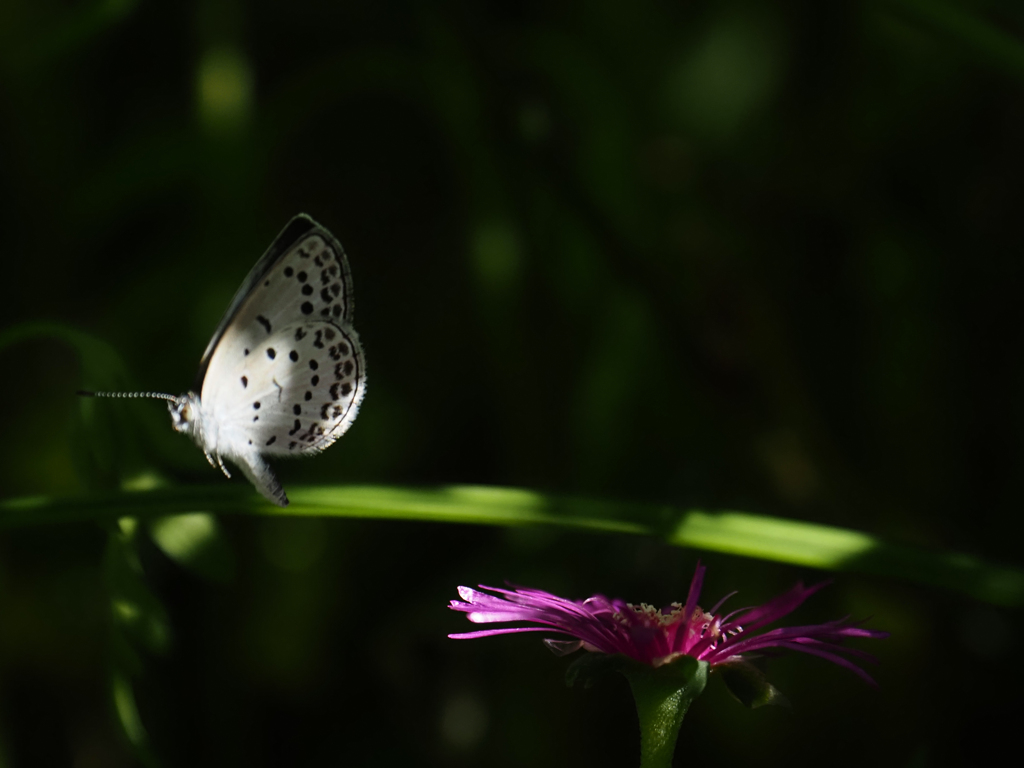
x=126, y=709
x=749, y=685
x=194, y=541
x=122, y=695
x=105, y=441
x=738, y=533
x=134, y=609
x=100, y=363
x=138, y=619
x=986, y=41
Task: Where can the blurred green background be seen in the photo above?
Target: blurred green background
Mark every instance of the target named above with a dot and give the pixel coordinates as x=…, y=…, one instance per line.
x=732, y=255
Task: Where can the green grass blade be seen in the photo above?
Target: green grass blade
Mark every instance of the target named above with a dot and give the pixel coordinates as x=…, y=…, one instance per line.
x=757, y=536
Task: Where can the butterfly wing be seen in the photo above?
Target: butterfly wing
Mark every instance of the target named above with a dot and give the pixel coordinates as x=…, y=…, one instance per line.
x=304, y=275
x=284, y=373
x=295, y=392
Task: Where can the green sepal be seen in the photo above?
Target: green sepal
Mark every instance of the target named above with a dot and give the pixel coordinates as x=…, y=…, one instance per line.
x=749, y=686
x=663, y=695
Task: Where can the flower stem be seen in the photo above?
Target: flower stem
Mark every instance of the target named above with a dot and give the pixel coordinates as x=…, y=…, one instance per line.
x=663, y=695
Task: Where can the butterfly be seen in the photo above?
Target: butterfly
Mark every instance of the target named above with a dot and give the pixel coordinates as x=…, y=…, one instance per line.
x=284, y=373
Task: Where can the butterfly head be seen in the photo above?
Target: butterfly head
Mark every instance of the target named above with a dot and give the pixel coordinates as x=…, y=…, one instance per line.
x=184, y=413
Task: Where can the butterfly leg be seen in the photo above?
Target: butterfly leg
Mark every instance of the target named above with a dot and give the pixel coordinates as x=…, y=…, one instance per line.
x=223, y=469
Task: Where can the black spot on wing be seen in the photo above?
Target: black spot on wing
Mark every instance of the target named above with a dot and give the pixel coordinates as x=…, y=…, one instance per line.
x=271, y=353
x=297, y=409
x=293, y=356
x=307, y=290
x=288, y=271
x=264, y=322
x=272, y=439
x=307, y=308
x=245, y=382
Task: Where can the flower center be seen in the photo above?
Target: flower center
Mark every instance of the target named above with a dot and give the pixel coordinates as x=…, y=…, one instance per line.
x=661, y=618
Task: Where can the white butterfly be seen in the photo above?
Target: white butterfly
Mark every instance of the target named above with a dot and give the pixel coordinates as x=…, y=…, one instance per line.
x=284, y=373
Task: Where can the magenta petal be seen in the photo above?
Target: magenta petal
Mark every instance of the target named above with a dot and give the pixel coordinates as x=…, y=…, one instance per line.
x=776, y=608
x=696, y=584
x=835, y=659
x=650, y=636
x=492, y=632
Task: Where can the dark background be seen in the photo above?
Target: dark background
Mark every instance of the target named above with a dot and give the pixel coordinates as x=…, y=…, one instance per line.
x=734, y=255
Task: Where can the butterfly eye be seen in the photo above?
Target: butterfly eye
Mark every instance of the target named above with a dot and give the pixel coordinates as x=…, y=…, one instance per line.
x=186, y=412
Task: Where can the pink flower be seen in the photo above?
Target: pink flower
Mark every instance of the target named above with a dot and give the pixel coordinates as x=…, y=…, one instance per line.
x=656, y=637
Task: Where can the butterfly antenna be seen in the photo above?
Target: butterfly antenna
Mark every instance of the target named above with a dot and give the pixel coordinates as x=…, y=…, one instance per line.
x=151, y=395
